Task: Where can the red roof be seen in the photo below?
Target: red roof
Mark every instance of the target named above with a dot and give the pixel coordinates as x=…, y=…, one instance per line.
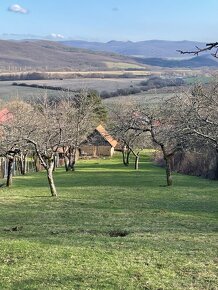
x=106, y=136
x=5, y=115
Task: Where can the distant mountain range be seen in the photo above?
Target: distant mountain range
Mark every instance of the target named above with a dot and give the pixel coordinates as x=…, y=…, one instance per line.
x=147, y=49
x=82, y=55
x=161, y=53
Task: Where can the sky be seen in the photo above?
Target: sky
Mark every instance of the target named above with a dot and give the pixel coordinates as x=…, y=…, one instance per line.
x=105, y=20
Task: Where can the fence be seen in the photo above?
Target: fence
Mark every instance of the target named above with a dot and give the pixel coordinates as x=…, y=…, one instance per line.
x=32, y=165
x=16, y=169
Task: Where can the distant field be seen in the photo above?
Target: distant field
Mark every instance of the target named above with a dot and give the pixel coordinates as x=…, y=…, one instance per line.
x=8, y=91
x=114, y=71
x=98, y=84
x=110, y=85
x=151, y=96
x=103, y=83
x=123, y=65
x=141, y=98
x=199, y=79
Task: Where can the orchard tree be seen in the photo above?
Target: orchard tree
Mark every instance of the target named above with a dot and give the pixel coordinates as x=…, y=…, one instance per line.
x=122, y=119
x=17, y=110
x=166, y=128
x=37, y=126
x=12, y=128
x=44, y=125
x=200, y=110
x=81, y=114
x=45, y=135
x=202, y=106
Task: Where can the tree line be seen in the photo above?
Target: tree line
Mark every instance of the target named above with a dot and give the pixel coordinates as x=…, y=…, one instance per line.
x=153, y=82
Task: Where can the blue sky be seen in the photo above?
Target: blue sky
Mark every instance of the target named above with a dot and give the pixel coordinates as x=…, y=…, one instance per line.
x=104, y=20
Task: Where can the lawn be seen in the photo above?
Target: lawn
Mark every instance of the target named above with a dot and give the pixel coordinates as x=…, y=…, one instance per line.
x=110, y=228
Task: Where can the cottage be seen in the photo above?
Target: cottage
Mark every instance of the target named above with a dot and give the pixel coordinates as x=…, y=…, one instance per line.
x=99, y=143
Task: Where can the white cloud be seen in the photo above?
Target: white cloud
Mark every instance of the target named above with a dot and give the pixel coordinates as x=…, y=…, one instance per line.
x=17, y=9
x=57, y=35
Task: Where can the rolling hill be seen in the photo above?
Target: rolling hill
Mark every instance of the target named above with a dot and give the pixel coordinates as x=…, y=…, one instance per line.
x=147, y=49
x=194, y=62
x=54, y=55
x=161, y=53
x=90, y=56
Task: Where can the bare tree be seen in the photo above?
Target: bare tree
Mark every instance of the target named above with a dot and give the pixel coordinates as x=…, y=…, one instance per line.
x=213, y=47
x=18, y=109
x=166, y=129
x=81, y=114
x=200, y=110
x=37, y=126
x=121, y=123
x=45, y=125
x=12, y=128
x=45, y=135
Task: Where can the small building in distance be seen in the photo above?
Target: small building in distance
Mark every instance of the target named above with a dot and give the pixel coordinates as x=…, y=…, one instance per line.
x=5, y=116
x=99, y=143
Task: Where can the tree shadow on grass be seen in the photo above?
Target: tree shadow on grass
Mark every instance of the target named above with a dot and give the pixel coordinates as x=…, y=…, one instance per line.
x=94, y=178
x=48, y=282
x=147, y=179
x=88, y=218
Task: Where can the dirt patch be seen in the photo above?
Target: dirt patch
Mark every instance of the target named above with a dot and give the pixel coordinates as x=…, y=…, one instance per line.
x=118, y=233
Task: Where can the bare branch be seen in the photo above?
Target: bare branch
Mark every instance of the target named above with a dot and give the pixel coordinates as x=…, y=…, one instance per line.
x=209, y=47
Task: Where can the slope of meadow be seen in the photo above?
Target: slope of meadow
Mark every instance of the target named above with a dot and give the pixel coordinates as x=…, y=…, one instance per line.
x=110, y=228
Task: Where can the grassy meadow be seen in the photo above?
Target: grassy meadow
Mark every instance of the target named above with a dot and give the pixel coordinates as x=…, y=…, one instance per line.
x=144, y=98
x=8, y=91
x=110, y=228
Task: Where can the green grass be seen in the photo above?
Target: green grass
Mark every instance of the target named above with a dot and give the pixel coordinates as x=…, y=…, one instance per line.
x=70, y=242
x=201, y=79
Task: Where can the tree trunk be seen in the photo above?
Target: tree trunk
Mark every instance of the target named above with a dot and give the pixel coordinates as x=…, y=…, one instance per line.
x=72, y=165
x=167, y=158
x=9, y=171
x=126, y=155
x=23, y=164
x=168, y=170
x=124, y=158
x=72, y=160
x=66, y=162
x=54, y=166
x=216, y=168
x=49, y=171
x=137, y=161
x=57, y=161
x=37, y=163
